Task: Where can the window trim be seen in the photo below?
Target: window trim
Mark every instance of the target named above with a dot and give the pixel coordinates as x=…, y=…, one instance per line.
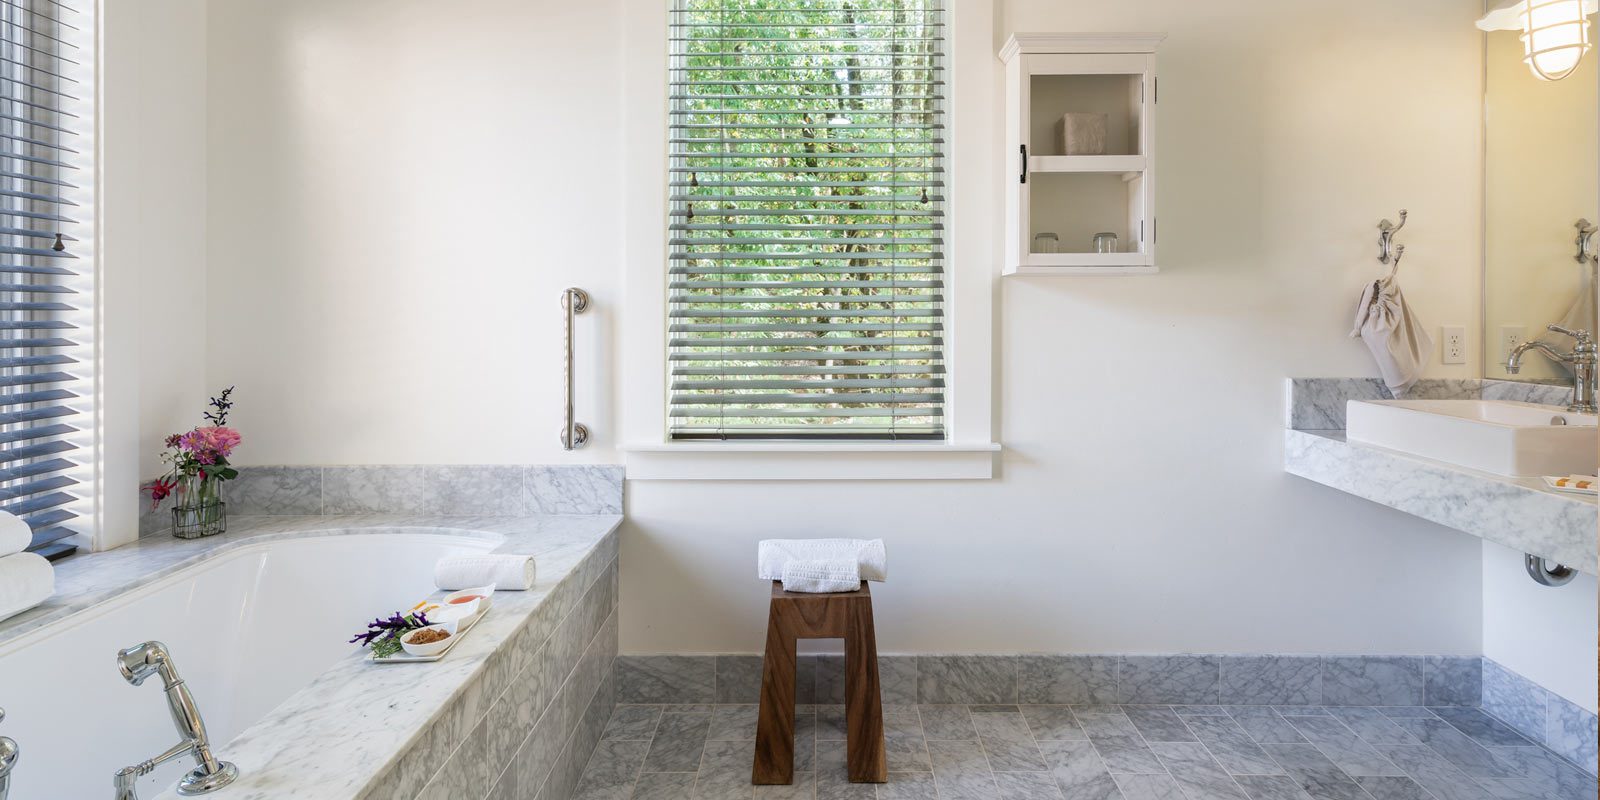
x=973, y=256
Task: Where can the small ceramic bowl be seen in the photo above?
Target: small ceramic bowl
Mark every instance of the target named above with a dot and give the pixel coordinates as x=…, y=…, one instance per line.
x=431, y=648
x=484, y=598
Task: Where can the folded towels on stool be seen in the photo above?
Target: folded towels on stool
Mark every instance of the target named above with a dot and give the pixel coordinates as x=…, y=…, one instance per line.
x=26, y=580
x=872, y=562
x=15, y=535
x=507, y=572
x=822, y=577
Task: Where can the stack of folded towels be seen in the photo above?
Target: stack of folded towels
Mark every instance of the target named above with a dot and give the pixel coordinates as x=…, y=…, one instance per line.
x=819, y=566
x=26, y=579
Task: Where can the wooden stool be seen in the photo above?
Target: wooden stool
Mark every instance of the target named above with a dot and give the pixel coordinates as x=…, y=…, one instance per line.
x=791, y=617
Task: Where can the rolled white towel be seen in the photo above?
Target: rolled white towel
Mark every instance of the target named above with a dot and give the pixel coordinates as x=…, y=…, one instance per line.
x=870, y=557
x=822, y=577
x=15, y=535
x=507, y=572
x=26, y=580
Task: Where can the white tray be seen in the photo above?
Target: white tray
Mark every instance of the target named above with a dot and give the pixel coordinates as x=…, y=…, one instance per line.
x=402, y=657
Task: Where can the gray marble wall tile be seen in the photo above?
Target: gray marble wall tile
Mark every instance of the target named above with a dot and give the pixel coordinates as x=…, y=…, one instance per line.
x=1571, y=732
x=1271, y=680
x=1185, y=679
x=1067, y=680
x=1372, y=680
x=1453, y=681
x=1515, y=700
x=738, y=679
x=966, y=679
x=581, y=489
x=431, y=489
x=897, y=680
x=275, y=491
x=1550, y=394
x=666, y=679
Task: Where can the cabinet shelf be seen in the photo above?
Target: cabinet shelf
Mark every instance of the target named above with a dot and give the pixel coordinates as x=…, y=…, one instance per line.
x=1124, y=164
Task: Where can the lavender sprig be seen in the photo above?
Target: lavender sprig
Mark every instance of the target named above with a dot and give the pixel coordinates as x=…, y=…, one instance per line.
x=383, y=635
x=223, y=405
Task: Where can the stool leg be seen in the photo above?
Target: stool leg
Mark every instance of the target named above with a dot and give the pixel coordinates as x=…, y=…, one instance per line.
x=774, y=762
x=868, y=763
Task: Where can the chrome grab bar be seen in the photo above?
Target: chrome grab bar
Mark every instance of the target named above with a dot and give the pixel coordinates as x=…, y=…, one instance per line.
x=573, y=434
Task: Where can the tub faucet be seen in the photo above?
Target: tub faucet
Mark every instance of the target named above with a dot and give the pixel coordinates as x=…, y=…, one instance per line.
x=152, y=658
x=8, y=760
x=1583, y=359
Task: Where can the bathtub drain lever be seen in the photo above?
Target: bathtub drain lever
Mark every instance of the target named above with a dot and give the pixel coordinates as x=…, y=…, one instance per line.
x=152, y=658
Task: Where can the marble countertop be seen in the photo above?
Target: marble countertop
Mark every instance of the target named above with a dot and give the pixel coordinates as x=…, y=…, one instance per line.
x=1520, y=513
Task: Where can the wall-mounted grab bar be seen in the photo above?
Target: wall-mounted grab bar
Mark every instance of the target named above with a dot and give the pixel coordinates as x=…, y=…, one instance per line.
x=574, y=301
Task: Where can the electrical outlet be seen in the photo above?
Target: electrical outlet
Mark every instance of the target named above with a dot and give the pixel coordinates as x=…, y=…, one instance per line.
x=1455, y=344
x=1510, y=337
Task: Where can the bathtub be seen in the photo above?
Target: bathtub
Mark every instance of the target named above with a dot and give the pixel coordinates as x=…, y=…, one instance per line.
x=245, y=629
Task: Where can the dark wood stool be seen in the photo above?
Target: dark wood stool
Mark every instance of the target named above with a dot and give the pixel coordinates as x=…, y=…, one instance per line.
x=791, y=617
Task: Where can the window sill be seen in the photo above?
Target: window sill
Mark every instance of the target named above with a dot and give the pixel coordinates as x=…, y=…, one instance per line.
x=809, y=461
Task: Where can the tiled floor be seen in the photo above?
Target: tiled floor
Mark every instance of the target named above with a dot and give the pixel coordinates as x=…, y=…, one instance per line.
x=1011, y=752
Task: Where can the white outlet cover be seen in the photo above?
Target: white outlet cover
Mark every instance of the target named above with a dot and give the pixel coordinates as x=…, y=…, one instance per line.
x=1455, y=344
x=1510, y=337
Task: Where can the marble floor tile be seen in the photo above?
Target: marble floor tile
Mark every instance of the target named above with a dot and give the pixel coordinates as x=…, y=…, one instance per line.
x=1079, y=771
x=613, y=768
x=1407, y=712
x=947, y=722
x=679, y=742
x=732, y=724
x=1120, y=744
x=908, y=786
x=1192, y=766
x=1372, y=725
x=633, y=722
x=960, y=771
x=1199, y=711
x=665, y=786
x=1483, y=729
x=1026, y=786
x=830, y=723
x=1555, y=777
x=1343, y=747
x=1232, y=746
x=1317, y=776
x=1008, y=743
x=1160, y=724
x=1053, y=723
x=725, y=771
x=1432, y=772
x=1149, y=787
x=833, y=782
x=803, y=788
x=1456, y=747
x=1390, y=788
x=1271, y=787
x=1265, y=725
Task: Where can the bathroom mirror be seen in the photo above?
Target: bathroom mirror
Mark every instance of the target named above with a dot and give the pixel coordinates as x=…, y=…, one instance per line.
x=1541, y=176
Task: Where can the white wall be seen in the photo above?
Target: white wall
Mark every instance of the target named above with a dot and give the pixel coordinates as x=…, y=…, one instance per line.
x=1545, y=634
x=152, y=240
x=397, y=197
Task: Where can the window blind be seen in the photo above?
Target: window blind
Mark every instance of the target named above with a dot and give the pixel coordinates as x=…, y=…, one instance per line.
x=45, y=318
x=806, y=188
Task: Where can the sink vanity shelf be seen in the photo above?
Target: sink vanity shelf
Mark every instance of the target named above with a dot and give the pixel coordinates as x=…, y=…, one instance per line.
x=1080, y=136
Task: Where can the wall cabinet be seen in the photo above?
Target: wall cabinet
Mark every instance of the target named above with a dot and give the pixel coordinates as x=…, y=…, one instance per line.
x=1080, y=136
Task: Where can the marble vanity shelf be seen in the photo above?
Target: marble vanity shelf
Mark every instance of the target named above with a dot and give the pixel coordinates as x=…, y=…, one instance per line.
x=1520, y=513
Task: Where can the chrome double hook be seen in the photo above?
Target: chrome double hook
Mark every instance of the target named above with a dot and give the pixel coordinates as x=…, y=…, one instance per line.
x=1388, y=251
x=1587, y=251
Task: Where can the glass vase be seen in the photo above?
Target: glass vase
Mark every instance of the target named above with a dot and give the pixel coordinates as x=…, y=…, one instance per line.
x=198, y=510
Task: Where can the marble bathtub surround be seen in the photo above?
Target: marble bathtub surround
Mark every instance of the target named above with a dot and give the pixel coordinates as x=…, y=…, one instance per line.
x=515, y=709
x=1076, y=752
x=443, y=490
x=1185, y=680
x=1318, y=404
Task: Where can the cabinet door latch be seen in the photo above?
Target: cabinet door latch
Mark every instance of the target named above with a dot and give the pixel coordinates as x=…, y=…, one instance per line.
x=1024, y=163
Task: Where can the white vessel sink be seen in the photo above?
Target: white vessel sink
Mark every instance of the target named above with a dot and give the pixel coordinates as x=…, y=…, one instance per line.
x=1502, y=437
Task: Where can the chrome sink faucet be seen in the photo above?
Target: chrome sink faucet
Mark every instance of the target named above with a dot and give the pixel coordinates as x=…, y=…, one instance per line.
x=152, y=658
x=1583, y=359
x=9, y=752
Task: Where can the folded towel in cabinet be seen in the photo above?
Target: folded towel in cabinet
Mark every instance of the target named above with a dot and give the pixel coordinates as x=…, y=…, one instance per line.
x=507, y=572
x=822, y=577
x=871, y=559
x=15, y=535
x=26, y=580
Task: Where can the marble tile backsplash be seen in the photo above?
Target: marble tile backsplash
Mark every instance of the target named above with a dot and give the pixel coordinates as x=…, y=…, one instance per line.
x=445, y=490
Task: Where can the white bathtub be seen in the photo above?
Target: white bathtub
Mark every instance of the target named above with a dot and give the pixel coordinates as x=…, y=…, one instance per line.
x=247, y=629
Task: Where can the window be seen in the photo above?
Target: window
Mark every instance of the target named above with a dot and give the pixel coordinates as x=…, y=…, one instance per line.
x=46, y=317
x=806, y=189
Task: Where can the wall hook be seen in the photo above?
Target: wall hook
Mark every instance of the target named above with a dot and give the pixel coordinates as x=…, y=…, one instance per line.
x=1388, y=252
x=1587, y=251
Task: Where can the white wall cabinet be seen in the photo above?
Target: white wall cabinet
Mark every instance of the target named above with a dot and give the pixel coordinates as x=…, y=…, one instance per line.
x=1080, y=134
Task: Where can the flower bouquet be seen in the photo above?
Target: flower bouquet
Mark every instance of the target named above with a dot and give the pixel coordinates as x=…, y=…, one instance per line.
x=199, y=461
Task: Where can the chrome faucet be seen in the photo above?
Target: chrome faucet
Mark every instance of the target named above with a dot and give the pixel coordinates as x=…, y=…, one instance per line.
x=1583, y=359
x=9, y=752
x=152, y=658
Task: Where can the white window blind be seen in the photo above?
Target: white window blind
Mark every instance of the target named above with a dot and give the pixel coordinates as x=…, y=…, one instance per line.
x=806, y=183
x=46, y=318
